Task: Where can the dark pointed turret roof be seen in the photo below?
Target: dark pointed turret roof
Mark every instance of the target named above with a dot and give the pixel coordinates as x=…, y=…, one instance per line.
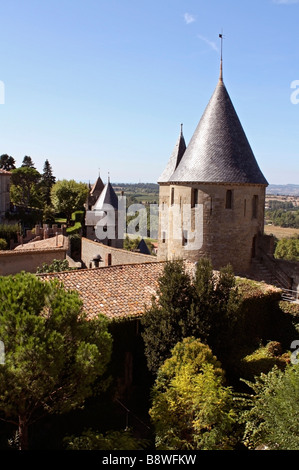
x=175, y=158
x=107, y=196
x=219, y=151
x=143, y=248
x=97, y=188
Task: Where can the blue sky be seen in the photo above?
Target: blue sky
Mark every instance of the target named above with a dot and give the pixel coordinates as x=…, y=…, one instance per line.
x=103, y=85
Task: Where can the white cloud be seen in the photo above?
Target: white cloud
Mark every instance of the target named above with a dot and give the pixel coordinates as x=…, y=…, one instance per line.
x=207, y=41
x=189, y=18
x=285, y=2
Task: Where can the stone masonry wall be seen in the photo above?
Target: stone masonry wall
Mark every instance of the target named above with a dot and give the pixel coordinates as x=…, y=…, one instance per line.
x=227, y=235
x=12, y=262
x=109, y=255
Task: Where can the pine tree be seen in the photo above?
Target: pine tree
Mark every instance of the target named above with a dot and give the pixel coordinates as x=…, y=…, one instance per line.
x=47, y=181
x=163, y=321
x=7, y=163
x=53, y=355
x=27, y=162
x=203, y=306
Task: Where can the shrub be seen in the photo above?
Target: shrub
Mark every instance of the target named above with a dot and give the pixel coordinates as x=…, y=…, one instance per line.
x=3, y=244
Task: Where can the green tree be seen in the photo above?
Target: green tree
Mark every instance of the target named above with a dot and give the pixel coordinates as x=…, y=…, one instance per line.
x=24, y=190
x=3, y=244
x=7, y=163
x=68, y=196
x=271, y=414
x=204, y=306
x=226, y=302
x=192, y=409
x=288, y=249
x=53, y=355
x=112, y=440
x=56, y=266
x=27, y=162
x=47, y=181
x=163, y=320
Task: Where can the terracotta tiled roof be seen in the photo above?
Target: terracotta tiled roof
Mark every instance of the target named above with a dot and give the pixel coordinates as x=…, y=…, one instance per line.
x=119, y=291
x=115, y=291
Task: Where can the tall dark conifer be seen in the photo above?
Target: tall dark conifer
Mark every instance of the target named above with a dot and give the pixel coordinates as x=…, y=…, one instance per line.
x=28, y=162
x=7, y=163
x=47, y=181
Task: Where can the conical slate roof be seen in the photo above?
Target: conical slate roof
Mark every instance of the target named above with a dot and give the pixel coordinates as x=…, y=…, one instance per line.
x=143, y=248
x=97, y=188
x=175, y=158
x=219, y=151
x=107, y=196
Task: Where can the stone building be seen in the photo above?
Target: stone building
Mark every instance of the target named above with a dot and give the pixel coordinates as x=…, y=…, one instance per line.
x=212, y=192
x=4, y=192
x=102, y=220
x=94, y=193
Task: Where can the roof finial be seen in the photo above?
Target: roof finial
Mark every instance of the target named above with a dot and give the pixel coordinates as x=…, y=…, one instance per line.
x=221, y=66
x=182, y=129
x=108, y=177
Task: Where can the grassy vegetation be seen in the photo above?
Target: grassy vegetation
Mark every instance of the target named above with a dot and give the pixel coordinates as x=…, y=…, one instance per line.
x=141, y=193
x=281, y=232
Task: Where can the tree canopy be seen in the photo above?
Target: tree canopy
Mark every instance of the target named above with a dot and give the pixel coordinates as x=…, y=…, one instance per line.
x=203, y=306
x=271, y=413
x=53, y=355
x=24, y=190
x=288, y=249
x=27, y=162
x=192, y=408
x=68, y=196
x=7, y=162
x=47, y=181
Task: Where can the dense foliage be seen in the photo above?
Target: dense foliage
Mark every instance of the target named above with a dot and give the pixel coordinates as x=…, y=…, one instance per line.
x=112, y=440
x=7, y=162
x=192, y=408
x=9, y=232
x=3, y=244
x=68, y=196
x=53, y=356
x=204, y=308
x=56, y=266
x=288, y=249
x=271, y=413
x=283, y=214
x=24, y=190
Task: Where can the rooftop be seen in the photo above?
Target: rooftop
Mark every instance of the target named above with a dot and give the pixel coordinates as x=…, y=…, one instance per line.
x=120, y=291
x=218, y=151
x=175, y=158
x=58, y=241
x=115, y=291
x=4, y=172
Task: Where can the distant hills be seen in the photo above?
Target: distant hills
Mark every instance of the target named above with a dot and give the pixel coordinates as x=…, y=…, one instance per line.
x=283, y=189
x=153, y=188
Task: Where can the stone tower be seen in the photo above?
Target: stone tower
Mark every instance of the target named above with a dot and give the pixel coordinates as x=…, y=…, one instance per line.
x=94, y=193
x=101, y=220
x=212, y=192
